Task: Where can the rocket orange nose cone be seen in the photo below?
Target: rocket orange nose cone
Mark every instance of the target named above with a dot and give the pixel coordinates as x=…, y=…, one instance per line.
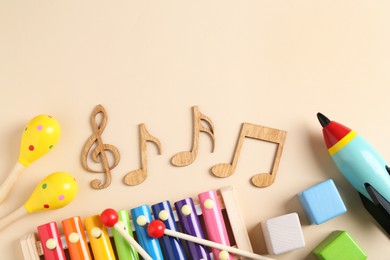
x=324, y=121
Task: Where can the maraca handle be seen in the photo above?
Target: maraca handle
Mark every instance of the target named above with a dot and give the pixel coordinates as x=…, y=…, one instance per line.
x=9, y=182
x=10, y=218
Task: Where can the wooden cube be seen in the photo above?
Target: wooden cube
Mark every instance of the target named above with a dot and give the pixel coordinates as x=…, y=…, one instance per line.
x=322, y=202
x=283, y=233
x=339, y=245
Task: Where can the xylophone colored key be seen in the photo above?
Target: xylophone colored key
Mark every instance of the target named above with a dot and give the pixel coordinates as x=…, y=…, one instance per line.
x=109, y=218
x=32, y=245
x=124, y=249
x=213, y=219
x=190, y=225
x=51, y=241
x=99, y=239
x=173, y=247
x=141, y=218
x=76, y=239
x=157, y=229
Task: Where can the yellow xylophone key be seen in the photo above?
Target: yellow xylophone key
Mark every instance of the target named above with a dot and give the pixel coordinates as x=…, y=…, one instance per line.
x=99, y=239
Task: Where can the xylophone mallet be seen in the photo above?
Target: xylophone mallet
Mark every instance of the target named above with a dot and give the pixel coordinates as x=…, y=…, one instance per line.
x=156, y=229
x=109, y=218
x=55, y=191
x=40, y=135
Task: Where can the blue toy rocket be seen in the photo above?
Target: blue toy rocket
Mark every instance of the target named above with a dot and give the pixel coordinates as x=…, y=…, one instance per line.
x=362, y=166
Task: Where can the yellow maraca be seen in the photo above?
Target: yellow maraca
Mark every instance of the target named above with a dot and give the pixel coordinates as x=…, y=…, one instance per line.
x=40, y=135
x=55, y=191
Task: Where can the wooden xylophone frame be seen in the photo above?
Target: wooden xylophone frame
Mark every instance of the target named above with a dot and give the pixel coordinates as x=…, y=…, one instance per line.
x=238, y=235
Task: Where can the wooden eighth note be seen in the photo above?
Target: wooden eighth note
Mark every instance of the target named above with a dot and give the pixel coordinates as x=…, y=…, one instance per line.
x=187, y=157
x=98, y=154
x=261, y=133
x=138, y=176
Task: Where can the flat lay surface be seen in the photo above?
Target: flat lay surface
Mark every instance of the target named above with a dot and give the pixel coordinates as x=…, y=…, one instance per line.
x=155, y=66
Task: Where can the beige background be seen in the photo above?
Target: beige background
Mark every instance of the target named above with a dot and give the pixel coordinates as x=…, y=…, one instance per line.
x=272, y=63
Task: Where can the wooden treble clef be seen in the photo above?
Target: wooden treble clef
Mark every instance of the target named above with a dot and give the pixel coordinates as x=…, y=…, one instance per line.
x=99, y=149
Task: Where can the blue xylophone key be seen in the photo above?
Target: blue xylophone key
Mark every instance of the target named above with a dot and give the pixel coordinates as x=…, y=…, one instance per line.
x=173, y=247
x=142, y=217
x=190, y=225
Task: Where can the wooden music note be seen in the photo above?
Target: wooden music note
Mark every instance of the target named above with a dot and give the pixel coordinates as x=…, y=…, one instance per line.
x=187, y=157
x=261, y=133
x=138, y=176
x=98, y=154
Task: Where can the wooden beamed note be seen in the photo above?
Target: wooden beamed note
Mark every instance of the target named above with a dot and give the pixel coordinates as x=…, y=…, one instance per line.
x=261, y=133
x=138, y=176
x=98, y=150
x=185, y=158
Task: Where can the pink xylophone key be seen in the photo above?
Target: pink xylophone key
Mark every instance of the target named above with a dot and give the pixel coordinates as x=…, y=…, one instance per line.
x=213, y=219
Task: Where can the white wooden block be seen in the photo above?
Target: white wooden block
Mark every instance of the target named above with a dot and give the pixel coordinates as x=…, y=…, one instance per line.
x=283, y=234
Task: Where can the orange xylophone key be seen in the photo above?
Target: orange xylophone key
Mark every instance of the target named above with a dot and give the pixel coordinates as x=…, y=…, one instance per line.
x=76, y=239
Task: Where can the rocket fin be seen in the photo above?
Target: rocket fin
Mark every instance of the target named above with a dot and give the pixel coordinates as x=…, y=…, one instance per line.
x=378, y=199
x=379, y=208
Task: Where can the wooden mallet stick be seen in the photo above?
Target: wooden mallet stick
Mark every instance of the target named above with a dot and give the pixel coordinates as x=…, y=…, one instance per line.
x=156, y=229
x=109, y=218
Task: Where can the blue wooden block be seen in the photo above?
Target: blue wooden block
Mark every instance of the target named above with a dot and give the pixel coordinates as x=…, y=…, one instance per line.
x=322, y=202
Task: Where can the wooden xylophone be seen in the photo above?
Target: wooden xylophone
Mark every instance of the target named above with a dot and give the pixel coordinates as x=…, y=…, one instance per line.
x=216, y=212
